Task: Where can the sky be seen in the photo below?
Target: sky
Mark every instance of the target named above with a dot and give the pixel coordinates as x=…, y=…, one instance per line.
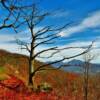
x=84, y=16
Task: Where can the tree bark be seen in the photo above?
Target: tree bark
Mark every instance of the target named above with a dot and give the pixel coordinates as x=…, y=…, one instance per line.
x=31, y=68
x=30, y=80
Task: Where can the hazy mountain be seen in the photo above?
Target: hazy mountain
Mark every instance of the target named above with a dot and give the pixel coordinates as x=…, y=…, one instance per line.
x=94, y=68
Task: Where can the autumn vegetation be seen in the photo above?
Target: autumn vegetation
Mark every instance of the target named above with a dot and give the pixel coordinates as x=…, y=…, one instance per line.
x=49, y=85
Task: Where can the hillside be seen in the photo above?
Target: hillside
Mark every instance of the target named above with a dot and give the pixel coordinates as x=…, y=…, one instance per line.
x=65, y=85
x=17, y=65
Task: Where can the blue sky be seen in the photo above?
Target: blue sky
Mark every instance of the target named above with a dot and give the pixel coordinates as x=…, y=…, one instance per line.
x=85, y=27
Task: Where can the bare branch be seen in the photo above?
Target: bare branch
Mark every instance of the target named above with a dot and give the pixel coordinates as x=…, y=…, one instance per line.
x=26, y=48
x=6, y=26
x=45, y=41
x=53, y=68
x=48, y=29
x=50, y=56
x=60, y=28
x=23, y=44
x=47, y=36
x=9, y=17
x=58, y=50
x=42, y=31
x=53, y=48
x=40, y=18
x=87, y=50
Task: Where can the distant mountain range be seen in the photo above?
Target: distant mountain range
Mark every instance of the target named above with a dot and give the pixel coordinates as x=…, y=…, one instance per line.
x=94, y=68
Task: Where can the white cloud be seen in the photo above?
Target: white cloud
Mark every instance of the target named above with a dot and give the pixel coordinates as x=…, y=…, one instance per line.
x=6, y=37
x=12, y=48
x=7, y=43
x=91, y=21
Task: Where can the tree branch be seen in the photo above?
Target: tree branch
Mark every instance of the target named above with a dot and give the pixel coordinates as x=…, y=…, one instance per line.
x=65, y=58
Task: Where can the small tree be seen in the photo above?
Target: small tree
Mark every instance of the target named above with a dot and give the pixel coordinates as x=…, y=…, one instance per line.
x=88, y=57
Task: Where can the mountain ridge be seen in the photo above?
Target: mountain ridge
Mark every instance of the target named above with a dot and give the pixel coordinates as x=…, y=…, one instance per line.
x=76, y=66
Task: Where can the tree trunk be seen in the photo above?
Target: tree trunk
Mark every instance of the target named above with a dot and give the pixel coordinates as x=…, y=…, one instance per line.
x=86, y=76
x=31, y=65
x=30, y=80
x=31, y=77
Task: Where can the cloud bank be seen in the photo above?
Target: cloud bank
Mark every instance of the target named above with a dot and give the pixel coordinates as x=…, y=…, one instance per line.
x=92, y=21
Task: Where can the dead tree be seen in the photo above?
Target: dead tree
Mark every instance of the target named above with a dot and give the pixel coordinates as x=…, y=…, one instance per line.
x=29, y=19
x=88, y=57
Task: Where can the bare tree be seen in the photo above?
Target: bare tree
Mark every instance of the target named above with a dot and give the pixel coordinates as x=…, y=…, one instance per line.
x=88, y=57
x=29, y=18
